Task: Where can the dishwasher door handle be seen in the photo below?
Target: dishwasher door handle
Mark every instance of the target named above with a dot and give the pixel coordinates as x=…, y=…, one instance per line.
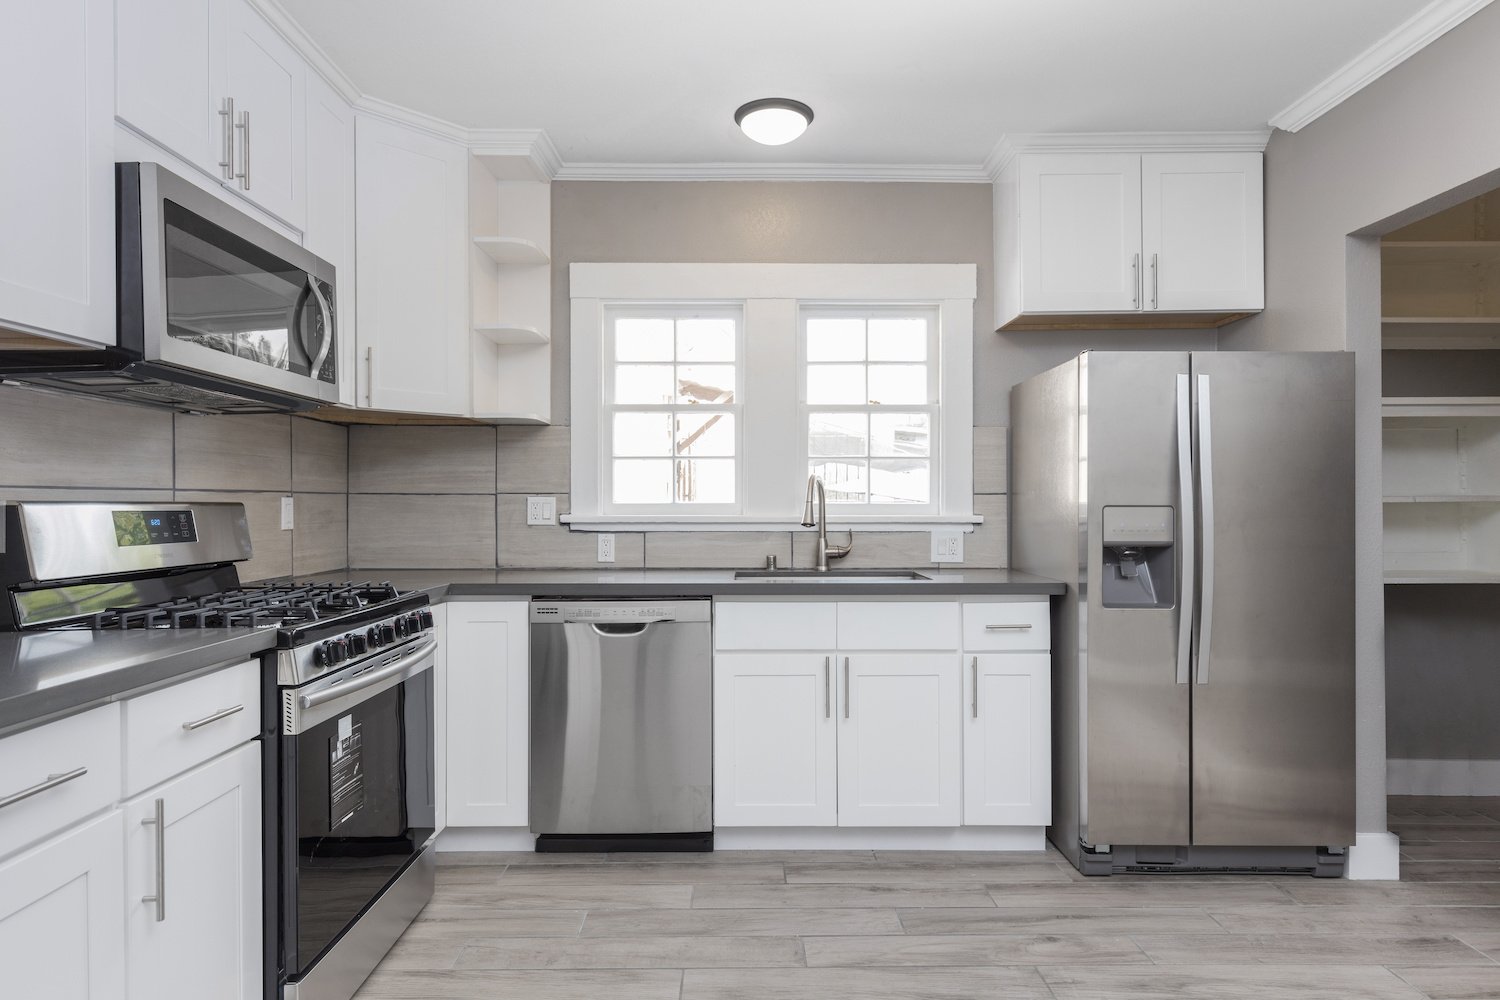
x=621, y=631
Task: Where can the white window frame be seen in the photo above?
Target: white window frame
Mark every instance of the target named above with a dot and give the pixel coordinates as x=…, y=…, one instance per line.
x=933, y=407
x=771, y=383
x=609, y=407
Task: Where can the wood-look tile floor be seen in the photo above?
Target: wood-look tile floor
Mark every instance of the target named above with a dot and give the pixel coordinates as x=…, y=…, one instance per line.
x=891, y=925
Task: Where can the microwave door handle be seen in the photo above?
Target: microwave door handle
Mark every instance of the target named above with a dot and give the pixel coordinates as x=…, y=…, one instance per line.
x=327, y=340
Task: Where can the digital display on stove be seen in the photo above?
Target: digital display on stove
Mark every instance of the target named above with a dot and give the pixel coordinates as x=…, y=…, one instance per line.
x=154, y=527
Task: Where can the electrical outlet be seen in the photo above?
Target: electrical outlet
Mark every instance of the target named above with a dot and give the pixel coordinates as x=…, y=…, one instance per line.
x=541, y=510
x=286, y=513
x=947, y=545
x=606, y=548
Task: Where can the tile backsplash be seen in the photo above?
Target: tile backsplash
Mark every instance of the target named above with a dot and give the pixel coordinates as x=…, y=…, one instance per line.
x=74, y=448
x=398, y=497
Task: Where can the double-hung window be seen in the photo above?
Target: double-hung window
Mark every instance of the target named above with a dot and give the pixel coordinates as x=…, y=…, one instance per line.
x=673, y=403
x=704, y=395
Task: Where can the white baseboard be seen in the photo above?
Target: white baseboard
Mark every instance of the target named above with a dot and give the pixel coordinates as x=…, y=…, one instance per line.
x=1374, y=857
x=1442, y=777
x=486, y=838
x=843, y=838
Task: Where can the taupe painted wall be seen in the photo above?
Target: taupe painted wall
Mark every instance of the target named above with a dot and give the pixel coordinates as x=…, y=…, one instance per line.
x=1417, y=140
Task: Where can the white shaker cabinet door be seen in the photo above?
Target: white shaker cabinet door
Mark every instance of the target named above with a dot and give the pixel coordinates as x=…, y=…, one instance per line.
x=202, y=938
x=61, y=936
x=1203, y=231
x=488, y=713
x=899, y=743
x=411, y=198
x=775, y=740
x=169, y=81
x=266, y=78
x=330, y=211
x=1080, y=220
x=1007, y=739
x=57, y=185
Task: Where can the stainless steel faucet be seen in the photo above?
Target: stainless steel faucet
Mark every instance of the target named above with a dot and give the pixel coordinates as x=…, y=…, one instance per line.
x=825, y=551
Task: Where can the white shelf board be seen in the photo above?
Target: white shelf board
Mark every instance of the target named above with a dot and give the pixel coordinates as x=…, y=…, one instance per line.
x=1444, y=498
x=509, y=334
x=511, y=250
x=1440, y=406
x=513, y=418
x=1393, y=576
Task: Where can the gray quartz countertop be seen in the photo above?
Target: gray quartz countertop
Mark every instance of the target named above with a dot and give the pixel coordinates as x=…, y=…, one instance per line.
x=46, y=675
x=459, y=584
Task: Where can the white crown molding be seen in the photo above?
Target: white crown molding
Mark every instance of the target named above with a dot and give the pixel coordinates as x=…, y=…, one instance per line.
x=888, y=172
x=1405, y=41
x=288, y=28
x=1010, y=146
x=531, y=145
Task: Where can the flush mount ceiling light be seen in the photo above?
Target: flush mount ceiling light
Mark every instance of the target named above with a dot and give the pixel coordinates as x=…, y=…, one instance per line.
x=773, y=121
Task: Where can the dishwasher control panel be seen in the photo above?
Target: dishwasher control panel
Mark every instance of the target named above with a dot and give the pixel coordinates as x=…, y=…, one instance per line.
x=621, y=611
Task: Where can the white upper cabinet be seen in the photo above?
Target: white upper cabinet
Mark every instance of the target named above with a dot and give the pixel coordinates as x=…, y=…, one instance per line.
x=1080, y=232
x=1128, y=239
x=1202, y=231
x=212, y=82
x=57, y=188
x=330, y=210
x=411, y=196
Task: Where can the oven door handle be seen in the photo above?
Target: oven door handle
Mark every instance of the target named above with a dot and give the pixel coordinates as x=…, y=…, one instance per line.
x=401, y=667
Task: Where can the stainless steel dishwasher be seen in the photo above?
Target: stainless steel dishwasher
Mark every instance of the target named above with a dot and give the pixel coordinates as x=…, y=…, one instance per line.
x=622, y=725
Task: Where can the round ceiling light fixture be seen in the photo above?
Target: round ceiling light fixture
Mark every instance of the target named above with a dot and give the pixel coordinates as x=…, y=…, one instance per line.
x=773, y=121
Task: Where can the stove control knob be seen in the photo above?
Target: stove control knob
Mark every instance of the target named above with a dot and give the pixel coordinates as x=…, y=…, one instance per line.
x=413, y=623
x=372, y=637
x=357, y=644
x=335, y=651
x=402, y=628
x=424, y=618
x=387, y=634
x=320, y=655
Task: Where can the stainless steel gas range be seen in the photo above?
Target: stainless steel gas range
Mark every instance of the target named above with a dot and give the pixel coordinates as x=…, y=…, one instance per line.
x=347, y=711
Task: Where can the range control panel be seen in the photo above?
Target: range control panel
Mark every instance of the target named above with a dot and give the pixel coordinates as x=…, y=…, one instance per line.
x=589, y=612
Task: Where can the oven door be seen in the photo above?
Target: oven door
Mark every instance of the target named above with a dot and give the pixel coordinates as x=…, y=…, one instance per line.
x=357, y=800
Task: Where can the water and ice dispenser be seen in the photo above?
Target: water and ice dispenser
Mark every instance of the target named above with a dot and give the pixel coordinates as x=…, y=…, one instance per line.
x=1140, y=559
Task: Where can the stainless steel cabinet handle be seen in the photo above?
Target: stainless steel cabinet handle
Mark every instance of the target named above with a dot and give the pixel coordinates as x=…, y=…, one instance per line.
x=974, y=695
x=244, y=173
x=226, y=112
x=1155, y=272
x=1009, y=628
x=369, y=374
x=1135, y=281
x=1188, y=530
x=222, y=713
x=846, y=687
x=160, y=822
x=827, y=687
x=1206, y=520
x=53, y=780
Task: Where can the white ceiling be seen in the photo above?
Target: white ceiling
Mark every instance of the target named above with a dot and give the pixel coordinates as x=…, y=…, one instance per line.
x=890, y=81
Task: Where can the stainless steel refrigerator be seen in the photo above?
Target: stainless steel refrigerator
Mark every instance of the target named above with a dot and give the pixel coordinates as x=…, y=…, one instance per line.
x=1201, y=508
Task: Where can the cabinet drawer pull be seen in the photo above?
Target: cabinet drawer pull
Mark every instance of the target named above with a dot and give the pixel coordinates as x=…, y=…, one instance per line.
x=846, y=687
x=222, y=713
x=1008, y=628
x=159, y=820
x=827, y=687
x=53, y=780
x=974, y=695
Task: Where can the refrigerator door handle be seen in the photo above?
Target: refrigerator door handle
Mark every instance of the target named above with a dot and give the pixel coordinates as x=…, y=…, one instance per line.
x=1189, y=586
x=1206, y=521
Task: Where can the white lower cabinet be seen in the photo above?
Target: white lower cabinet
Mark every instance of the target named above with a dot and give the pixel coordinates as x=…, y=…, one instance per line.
x=899, y=743
x=61, y=937
x=775, y=740
x=1007, y=739
x=488, y=712
x=200, y=933
x=912, y=714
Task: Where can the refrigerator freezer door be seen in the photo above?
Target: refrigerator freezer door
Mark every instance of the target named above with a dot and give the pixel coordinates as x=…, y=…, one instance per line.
x=1273, y=715
x=1135, y=713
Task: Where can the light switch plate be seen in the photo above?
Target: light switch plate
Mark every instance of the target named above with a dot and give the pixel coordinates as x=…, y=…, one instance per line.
x=606, y=548
x=286, y=513
x=541, y=510
x=948, y=545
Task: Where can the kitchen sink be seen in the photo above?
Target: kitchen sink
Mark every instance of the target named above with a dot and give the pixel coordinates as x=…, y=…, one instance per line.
x=832, y=575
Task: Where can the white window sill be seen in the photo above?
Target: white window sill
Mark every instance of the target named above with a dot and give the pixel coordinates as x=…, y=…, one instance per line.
x=710, y=522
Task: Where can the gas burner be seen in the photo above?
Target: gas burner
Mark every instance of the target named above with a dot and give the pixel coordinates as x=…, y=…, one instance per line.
x=266, y=605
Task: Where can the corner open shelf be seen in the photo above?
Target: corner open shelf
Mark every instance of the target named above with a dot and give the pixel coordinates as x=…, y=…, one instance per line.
x=512, y=250
x=508, y=334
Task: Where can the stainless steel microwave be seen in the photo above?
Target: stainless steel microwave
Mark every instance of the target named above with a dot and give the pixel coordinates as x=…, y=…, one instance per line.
x=217, y=313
